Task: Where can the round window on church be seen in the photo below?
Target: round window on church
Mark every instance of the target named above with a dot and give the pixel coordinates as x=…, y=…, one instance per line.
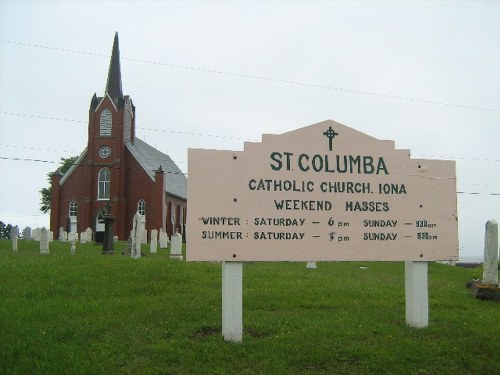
x=104, y=152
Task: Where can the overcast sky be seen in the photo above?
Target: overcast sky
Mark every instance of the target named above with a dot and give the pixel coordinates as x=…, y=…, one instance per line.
x=215, y=73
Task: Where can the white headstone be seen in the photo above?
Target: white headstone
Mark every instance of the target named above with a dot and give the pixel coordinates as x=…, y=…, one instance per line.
x=73, y=248
x=44, y=241
x=14, y=236
x=35, y=233
x=490, y=264
x=176, y=247
x=51, y=236
x=89, y=234
x=115, y=239
x=144, y=236
x=61, y=233
x=311, y=265
x=27, y=233
x=135, y=251
x=72, y=237
x=163, y=239
x=83, y=237
x=154, y=241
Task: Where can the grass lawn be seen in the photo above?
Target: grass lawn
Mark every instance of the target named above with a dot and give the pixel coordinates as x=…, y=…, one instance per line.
x=108, y=314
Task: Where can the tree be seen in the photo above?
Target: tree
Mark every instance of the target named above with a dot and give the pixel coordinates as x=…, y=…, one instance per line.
x=46, y=193
x=5, y=230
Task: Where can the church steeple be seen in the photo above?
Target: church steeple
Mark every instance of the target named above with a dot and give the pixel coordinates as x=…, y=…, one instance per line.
x=114, y=82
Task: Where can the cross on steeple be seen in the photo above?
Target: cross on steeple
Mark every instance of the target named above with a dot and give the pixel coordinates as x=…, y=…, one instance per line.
x=330, y=134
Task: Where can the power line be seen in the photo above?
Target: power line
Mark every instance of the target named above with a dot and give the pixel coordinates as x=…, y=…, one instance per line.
x=212, y=136
x=173, y=172
x=137, y=127
x=81, y=165
x=262, y=78
x=37, y=148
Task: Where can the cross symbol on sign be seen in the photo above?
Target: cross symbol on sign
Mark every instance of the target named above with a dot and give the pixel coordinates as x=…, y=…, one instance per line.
x=330, y=134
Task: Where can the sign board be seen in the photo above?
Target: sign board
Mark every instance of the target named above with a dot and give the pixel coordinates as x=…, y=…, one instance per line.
x=325, y=192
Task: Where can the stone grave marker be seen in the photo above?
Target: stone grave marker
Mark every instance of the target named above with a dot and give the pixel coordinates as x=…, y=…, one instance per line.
x=72, y=237
x=154, y=241
x=176, y=247
x=311, y=265
x=73, y=248
x=27, y=233
x=135, y=251
x=163, y=239
x=44, y=241
x=488, y=288
x=83, y=237
x=14, y=236
x=89, y=234
x=490, y=265
x=35, y=234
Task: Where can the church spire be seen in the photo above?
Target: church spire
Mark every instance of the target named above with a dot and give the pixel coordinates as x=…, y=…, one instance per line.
x=114, y=83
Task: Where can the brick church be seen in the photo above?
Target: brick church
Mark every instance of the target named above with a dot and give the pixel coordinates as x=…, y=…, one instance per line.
x=120, y=170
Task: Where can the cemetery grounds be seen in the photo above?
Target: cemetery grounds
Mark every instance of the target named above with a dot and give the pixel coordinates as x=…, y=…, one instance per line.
x=90, y=313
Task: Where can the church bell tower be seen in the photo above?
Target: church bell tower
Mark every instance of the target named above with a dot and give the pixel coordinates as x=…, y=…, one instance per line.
x=111, y=125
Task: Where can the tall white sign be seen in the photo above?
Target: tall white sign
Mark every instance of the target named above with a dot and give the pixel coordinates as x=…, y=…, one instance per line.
x=325, y=192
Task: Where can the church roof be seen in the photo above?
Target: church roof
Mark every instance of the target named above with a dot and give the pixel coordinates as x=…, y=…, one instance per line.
x=150, y=159
x=114, y=82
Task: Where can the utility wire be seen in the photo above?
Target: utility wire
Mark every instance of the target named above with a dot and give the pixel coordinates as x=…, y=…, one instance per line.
x=212, y=135
x=257, y=77
x=77, y=164
x=173, y=172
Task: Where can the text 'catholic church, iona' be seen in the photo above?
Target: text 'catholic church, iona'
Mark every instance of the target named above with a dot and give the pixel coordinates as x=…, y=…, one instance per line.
x=120, y=170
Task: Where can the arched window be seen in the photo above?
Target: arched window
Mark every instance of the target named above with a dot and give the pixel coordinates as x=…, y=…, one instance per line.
x=106, y=120
x=73, y=209
x=104, y=180
x=141, y=207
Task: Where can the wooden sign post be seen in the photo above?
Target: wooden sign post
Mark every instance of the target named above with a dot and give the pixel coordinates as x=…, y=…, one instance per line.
x=325, y=192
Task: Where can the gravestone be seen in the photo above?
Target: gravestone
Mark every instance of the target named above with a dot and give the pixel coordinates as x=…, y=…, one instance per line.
x=163, y=239
x=115, y=239
x=83, y=237
x=72, y=237
x=490, y=264
x=14, y=236
x=108, y=244
x=63, y=236
x=154, y=241
x=128, y=249
x=488, y=288
x=144, y=235
x=73, y=248
x=135, y=251
x=27, y=233
x=311, y=265
x=51, y=236
x=89, y=234
x=44, y=241
x=35, y=234
x=176, y=247
x=61, y=233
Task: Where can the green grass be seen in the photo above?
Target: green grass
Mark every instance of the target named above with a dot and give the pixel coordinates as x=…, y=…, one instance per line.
x=108, y=314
